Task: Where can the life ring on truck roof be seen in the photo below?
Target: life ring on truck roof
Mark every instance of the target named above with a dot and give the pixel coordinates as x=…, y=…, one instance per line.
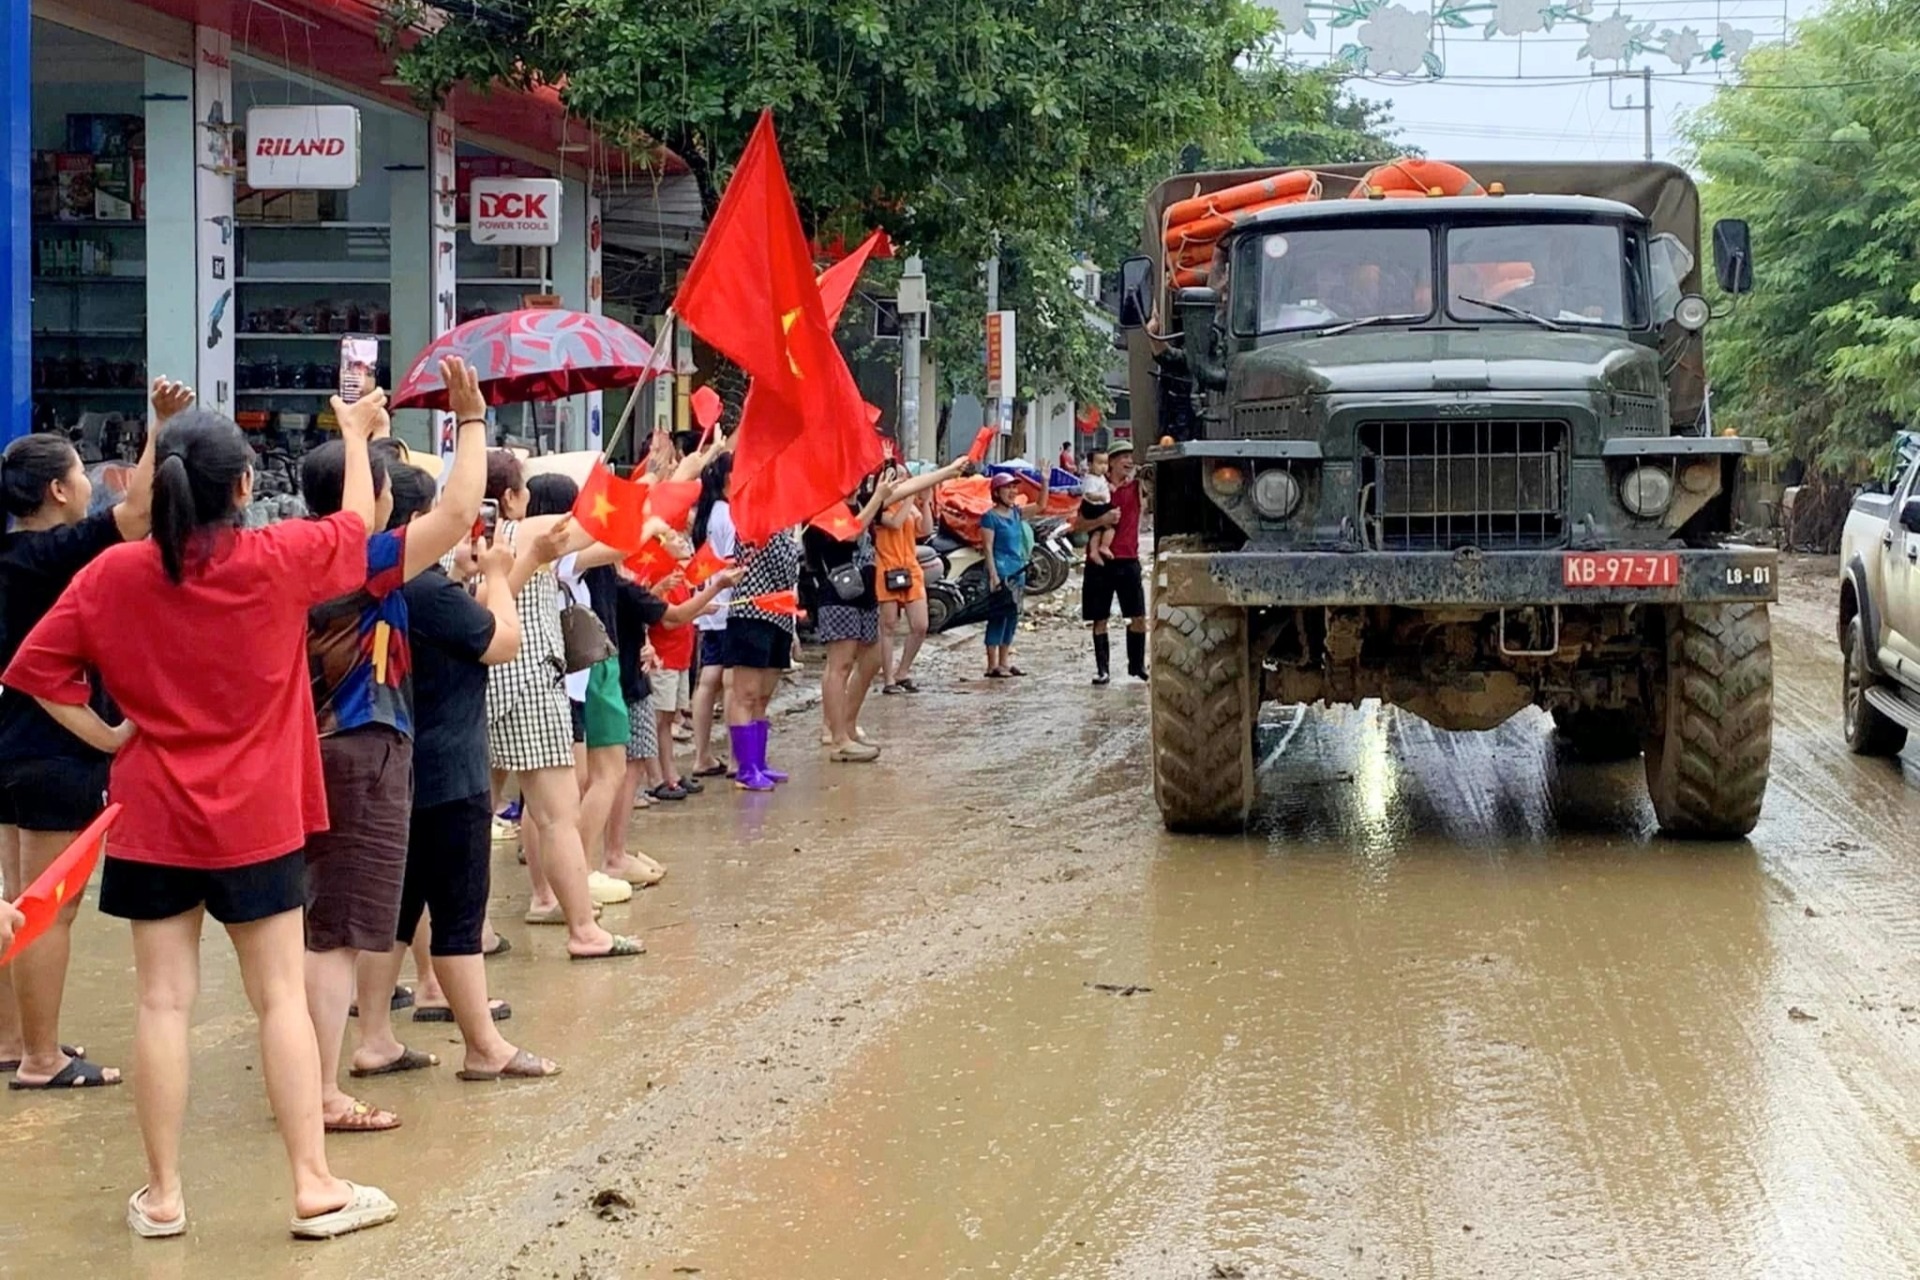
x=1408, y=177
x=1208, y=230
x=1295, y=183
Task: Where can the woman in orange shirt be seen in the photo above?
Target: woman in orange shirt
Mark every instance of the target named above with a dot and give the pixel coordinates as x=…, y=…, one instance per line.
x=899, y=581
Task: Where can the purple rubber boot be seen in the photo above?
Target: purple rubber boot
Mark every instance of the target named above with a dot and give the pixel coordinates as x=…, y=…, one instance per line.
x=763, y=735
x=749, y=757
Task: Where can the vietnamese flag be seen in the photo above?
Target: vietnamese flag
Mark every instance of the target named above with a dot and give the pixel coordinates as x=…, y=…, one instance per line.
x=705, y=563
x=787, y=602
x=612, y=510
x=651, y=563
x=837, y=281
x=672, y=501
x=706, y=408
x=66, y=876
x=837, y=522
x=803, y=439
x=982, y=443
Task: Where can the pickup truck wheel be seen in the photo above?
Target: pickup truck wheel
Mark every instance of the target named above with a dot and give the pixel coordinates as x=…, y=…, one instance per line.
x=1205, y=704
x=1712, y=733
x=1600, y=736
x=1868, y=732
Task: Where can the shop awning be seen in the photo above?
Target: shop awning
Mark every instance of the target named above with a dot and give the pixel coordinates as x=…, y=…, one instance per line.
x=340, y=40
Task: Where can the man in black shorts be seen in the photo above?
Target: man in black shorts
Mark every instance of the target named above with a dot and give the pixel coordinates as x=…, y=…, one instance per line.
x=1118, y=579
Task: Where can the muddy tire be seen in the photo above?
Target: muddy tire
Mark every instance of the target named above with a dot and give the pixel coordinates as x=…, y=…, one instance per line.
x=1868, y=732
x=1600, y=736
x=939, y=612
x=1205, y=704
x=1712, y=734
x=1046, y=574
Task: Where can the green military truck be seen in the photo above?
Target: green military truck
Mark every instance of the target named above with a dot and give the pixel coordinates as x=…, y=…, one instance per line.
x=1454, y=453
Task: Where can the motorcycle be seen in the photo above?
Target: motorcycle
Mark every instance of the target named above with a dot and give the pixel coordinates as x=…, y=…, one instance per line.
x=959, y=595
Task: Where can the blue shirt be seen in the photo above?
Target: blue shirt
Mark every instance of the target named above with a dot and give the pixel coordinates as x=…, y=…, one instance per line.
x=1009, y=542
x=357, y=648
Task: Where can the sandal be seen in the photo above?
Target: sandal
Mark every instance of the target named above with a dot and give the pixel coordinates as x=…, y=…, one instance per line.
x=996, y=674
x=363, y=1118
x=500, y=947
x=365, y=1207
x=149, y=1228
x=409, y=1060
x=711, y=771
x=71, y=1050
x=553, y=915
x=622, y=947
x=1013, y=671
x=910, y=685
x=522, y=1066
x=692, y=786
x=500, y=1010
x=77, y=1074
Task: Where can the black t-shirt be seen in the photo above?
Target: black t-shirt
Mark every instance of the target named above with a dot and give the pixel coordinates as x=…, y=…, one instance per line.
x=35, y=567
x=449, y=630
x=638, y=609
x=826, y=552
x=603, y=594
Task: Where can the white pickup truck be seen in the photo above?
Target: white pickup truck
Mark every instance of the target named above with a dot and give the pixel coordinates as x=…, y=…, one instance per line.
x=1879, y=628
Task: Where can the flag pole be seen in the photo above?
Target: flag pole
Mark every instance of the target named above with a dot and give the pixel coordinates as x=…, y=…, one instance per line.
x=626, y=414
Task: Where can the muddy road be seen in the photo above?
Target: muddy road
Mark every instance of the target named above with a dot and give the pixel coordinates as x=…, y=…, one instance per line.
x=1451, y=1010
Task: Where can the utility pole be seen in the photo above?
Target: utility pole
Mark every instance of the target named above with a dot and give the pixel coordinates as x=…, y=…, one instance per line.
x=912, y=303
x=992, y=268
x=1644, y=106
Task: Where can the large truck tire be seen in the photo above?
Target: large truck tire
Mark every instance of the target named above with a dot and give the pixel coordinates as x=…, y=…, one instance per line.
x=1712, y=734
x=1598, y=736
x=1205, y=705
x=1869, y=733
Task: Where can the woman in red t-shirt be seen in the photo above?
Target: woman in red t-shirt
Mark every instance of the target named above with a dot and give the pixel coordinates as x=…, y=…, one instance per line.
x=217, y=766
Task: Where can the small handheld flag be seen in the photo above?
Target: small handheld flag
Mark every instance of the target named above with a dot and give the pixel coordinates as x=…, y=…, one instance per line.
x=612, y=510
x=982, y=443
x=651, y=563
x=787, y=602
x=706, y=408
x=65, y=878
x=705, y=563
x=837, y=522
x=672, y=501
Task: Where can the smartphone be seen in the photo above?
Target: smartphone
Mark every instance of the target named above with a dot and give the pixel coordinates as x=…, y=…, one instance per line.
x=359, y=363
x=489, y=519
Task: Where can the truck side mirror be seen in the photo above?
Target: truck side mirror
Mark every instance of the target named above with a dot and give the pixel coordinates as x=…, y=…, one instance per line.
x=1733, y=255
x=1136, y=292
x=1910, y=515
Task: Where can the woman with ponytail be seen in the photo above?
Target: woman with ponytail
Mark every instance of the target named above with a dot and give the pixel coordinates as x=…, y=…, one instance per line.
x=199, y=636
x=52, y=783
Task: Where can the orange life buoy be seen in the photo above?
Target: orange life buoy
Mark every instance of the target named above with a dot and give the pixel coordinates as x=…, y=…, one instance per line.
x=1293, y=183
x=1209, y=229
x=1409, y=177
x=1191, y=277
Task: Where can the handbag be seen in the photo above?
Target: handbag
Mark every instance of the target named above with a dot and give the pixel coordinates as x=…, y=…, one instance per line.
x=898, y=580
x=584, y=637
x=848, y=582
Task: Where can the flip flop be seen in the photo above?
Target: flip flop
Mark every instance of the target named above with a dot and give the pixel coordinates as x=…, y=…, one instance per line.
x=553, y=916
x=500, y=947
x=13, y=1064
x=692, y=786
x=1015, y=671
x=365, y=1207
x=77, y=1074
x=364, y=1119
x=523, y=1066
x=409, y=1060
x=152, y=1228
x=622, y=948
x=500, y=1009
x=711, y=771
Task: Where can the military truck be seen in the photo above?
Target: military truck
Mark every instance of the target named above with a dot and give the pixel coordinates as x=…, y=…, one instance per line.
x=1374, y=476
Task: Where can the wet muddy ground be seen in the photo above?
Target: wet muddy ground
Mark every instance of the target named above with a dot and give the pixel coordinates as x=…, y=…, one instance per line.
x=1451, y=1010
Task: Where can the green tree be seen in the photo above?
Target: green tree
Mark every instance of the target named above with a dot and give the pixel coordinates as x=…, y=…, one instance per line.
x=1812, y=144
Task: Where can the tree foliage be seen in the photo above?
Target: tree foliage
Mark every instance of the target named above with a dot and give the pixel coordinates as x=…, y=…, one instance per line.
x=1030, y=128
x=1814, y=145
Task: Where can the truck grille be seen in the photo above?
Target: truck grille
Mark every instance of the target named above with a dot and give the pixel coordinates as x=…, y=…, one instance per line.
x=1438, y=485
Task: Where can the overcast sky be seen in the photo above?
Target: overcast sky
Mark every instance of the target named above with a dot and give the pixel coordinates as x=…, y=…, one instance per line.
x=1531, y=97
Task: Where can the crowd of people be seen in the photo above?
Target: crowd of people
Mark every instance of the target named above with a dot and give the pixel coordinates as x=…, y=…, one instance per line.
x=314, y=724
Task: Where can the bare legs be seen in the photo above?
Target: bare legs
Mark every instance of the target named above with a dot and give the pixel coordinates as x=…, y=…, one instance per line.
x=606, y=771
x=166, y=960
x=834, y=679
x=552, y=810
x=712, y=680
x=330, y=976
x=896, y=671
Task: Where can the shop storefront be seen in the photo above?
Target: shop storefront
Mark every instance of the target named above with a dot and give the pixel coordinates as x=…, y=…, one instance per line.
x=201, y=198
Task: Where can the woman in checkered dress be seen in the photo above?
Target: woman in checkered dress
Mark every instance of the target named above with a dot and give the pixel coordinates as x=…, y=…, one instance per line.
x=530, y=733
x=759, y=651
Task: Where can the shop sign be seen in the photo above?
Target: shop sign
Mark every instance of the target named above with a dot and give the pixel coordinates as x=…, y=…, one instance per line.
x=303, y=148
x=516, y=210
x=1000, y=355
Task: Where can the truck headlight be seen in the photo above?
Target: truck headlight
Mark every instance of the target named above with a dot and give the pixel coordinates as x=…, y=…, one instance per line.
x=1276, y=494
x=1646, y=492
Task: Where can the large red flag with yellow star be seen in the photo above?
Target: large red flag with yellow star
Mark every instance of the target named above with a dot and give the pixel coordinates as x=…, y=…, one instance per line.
x=613, y=510
x=804, y=441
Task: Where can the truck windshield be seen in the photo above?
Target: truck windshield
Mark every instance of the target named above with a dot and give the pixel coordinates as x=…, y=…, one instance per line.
x=1315, y=279
x=1568, y=273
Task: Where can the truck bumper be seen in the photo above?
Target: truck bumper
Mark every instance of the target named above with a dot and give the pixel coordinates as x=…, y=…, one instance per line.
x=1494, y=579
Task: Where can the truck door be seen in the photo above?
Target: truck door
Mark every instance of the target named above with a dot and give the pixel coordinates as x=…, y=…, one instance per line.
x=1899, y=601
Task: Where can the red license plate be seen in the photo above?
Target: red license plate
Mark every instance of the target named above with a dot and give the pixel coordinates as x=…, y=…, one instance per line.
x=1620, y=569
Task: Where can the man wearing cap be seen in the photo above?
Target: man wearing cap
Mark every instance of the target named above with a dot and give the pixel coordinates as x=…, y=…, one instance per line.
x=1118, y=579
